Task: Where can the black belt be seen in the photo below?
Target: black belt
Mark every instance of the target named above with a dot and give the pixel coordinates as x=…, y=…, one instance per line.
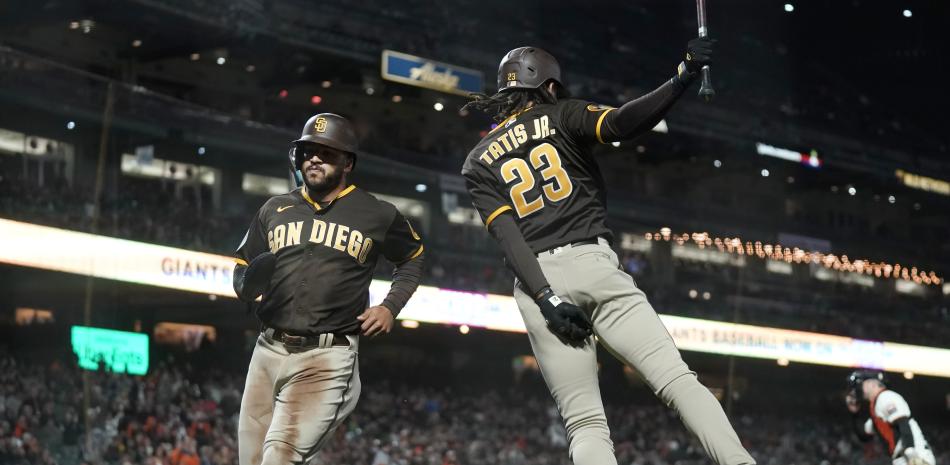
x=585, y=242
x=313, y=340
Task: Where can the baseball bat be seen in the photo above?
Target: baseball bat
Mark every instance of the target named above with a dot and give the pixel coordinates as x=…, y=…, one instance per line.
x=706, y=90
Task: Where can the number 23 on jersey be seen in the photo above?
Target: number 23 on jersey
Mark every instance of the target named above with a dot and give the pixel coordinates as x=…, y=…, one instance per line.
x=556, y=185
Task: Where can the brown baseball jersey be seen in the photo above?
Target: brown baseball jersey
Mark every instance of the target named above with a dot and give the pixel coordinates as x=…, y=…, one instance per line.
x=326, y=255
x=537, y=165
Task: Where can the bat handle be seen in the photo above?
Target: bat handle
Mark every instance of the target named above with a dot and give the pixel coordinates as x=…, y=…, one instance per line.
x=706, y=90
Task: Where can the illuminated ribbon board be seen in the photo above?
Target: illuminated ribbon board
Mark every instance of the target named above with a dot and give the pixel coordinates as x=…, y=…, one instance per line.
x=136, y=262
x=809, y=159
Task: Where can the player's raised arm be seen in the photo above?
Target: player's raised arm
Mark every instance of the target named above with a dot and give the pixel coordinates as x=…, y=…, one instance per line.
x=642, y=114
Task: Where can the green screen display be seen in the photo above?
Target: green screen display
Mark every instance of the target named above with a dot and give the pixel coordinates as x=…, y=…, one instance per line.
x=118, y=351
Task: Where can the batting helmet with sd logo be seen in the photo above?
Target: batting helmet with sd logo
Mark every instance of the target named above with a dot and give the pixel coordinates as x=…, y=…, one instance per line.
x=327, y=129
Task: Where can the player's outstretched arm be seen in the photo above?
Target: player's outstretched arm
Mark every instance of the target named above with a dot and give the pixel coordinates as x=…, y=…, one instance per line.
x=638, y=116
x=564, y=319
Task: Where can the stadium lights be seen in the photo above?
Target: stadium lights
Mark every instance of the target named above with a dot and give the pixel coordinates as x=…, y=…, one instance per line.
x=71, y=125
x=924, y=183
x=438, y=106
x=789, y=8
x=842, y=263
x=194, y=56
x=908, y=14
x=87, y=25
x=810, y=159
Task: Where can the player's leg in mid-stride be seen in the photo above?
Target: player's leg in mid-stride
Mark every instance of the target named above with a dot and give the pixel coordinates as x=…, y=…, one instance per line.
x=626, y=324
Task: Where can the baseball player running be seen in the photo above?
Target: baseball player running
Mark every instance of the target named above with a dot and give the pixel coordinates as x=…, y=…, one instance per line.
x=311, y=254
x=541, y=195
x=889, y=416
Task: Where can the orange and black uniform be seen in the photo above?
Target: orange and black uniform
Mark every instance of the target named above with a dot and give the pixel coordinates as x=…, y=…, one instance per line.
x=326, y=255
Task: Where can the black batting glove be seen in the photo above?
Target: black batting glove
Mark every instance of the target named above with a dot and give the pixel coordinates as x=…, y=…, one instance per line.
x=698, y=54
x=564, y=319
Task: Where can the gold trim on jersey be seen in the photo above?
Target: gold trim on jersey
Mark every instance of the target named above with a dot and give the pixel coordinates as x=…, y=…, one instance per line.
x=414, y=255
x=240, y=262
x=600, y=121
x=316, y=205
x=495, y=214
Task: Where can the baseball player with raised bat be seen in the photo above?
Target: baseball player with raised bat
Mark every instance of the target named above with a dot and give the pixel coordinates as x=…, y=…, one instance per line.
x=541, y=195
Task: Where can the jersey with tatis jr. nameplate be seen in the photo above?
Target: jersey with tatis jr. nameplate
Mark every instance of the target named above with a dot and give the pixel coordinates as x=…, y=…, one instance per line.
x=537, y=165
x=326, y=256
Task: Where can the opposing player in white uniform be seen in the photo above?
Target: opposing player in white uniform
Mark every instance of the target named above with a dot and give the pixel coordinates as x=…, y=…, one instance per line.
x=890, y=418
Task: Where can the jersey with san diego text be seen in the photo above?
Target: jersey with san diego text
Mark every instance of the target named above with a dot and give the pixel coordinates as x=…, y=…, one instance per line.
x=537, y=166
x=326, y=256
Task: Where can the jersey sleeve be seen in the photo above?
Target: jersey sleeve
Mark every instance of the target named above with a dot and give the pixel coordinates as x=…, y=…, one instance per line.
x=584, y=121
x=891, y=406
x=402, y=242
x=254, y=242
x=487, y=196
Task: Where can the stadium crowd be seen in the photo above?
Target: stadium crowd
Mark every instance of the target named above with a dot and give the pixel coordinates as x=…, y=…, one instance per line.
x=181, y=415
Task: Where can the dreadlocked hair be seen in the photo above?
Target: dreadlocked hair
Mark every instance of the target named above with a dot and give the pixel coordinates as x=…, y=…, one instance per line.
x=504, y=104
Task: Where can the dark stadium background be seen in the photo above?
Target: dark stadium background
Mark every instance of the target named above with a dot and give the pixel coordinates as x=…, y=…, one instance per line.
x=227, y=85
